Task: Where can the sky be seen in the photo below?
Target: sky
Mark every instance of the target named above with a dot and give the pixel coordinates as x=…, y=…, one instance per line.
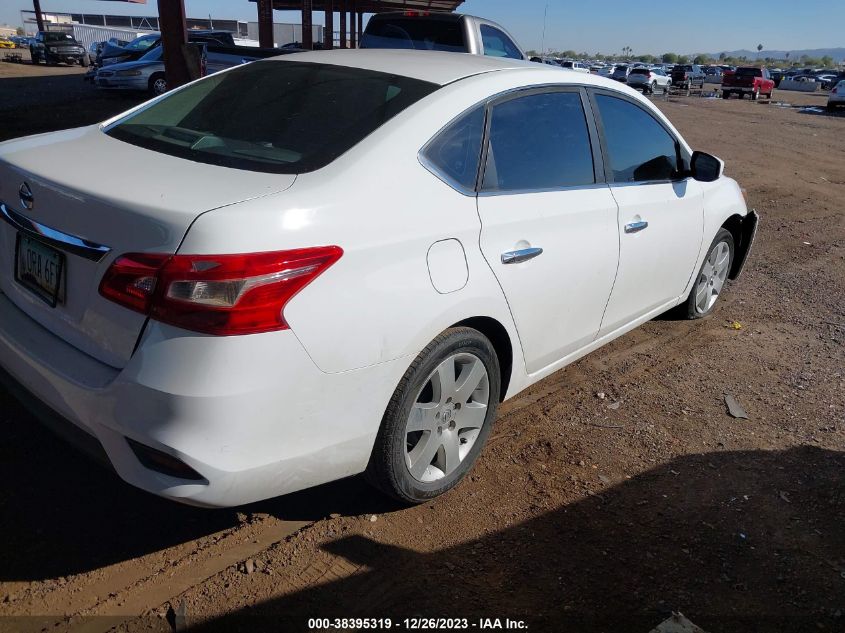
x=647, y=27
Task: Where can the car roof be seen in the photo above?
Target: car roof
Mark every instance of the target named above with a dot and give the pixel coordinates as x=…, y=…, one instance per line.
x=433, y=66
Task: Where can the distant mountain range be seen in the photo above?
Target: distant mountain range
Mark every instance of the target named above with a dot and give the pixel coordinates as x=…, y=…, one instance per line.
x=838, y=54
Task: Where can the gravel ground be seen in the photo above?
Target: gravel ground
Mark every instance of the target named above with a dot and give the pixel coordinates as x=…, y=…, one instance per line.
x=610, y=494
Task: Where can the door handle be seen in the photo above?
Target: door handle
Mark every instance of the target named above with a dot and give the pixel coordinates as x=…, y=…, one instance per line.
x=522, y=255
x=635, y=227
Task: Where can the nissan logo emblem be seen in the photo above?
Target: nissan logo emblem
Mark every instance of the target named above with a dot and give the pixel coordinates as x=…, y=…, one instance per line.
x=27, y=199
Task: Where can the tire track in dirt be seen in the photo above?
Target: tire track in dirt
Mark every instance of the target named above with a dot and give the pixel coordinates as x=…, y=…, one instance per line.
x=133, y=591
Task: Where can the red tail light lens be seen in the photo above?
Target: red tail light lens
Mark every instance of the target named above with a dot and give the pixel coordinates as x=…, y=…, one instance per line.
x=216, y=294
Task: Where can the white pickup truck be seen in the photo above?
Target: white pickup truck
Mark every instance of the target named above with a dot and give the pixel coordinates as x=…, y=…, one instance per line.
x=440, y=31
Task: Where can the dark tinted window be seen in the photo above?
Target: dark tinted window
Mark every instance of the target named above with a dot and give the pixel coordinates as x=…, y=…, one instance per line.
x=272, y=116
x=420, y=33
x=58, y=37
x=497, y=44
x=539, y=142
x=640, y=71
x=456, y=150
x=749, y=72
x=639, y=148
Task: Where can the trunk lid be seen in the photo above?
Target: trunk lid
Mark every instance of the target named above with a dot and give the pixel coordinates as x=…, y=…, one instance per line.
x=105, y=192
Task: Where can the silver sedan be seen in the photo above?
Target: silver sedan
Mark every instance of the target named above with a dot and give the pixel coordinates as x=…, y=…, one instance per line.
x=146, y=73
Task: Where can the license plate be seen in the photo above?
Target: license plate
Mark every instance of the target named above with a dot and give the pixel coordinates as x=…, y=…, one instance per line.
x=40, y=269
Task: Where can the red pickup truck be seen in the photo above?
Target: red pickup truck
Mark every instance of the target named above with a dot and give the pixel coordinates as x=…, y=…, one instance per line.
x=747, y=80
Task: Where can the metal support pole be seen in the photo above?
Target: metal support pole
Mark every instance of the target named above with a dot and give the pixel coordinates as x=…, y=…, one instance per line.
x=353, y=36
x=328, y=36
x=342, y=12
x=173, y=39
x=36, y=4
x=307, y=25
x=265, y=23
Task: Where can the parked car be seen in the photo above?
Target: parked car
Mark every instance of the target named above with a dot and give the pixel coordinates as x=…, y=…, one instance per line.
x=243, y=318
x=649, y=80
x=5, y=42
x=607, y=71
x=688, y=76
x=216, y=57
x=620, y=73
x=144, y=74
x=777, y=76
x=439, y=31
x=836, y=97
x=827, y=80
x=54, y=47
x=114, y=53
x=748, y=80
x=576, y=66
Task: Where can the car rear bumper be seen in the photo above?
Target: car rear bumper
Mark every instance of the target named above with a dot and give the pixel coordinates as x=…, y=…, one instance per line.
x=252, y=415
x=739, y=88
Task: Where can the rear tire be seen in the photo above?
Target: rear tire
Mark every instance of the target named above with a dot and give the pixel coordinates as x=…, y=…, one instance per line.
x=726, y=94
x=711, y=278
x=755, y=94
x=438, y=419
x=84, y=61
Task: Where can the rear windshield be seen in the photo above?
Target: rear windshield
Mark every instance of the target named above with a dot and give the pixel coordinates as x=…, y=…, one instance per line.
x=415, y=33
x=271, y=116
x=683, y=67
x=621, y=69
x=749, y=72
x=640, y=71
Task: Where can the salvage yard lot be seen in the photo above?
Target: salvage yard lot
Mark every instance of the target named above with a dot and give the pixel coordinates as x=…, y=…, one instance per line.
x=610, y=494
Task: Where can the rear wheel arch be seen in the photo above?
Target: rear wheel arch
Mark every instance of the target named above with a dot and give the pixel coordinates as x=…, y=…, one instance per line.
x=502, y=344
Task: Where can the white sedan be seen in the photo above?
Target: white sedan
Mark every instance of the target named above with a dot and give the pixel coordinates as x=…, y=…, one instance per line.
x=340, y=262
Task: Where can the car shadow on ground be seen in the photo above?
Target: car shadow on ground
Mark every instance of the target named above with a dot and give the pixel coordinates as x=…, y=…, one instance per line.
x=738, y=541
x=63, y=513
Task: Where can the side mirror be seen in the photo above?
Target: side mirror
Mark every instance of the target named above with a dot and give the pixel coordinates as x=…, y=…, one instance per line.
x=706, y=168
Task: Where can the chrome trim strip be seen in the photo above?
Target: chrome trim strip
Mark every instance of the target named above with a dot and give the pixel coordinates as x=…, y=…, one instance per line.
x=63, y=241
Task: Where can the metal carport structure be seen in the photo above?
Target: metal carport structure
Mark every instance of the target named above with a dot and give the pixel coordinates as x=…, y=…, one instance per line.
x=351, y=14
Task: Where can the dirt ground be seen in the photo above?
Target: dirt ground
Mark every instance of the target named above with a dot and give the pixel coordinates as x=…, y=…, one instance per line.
x=611, y=494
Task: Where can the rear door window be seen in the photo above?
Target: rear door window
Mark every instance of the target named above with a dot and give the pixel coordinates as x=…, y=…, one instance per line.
x=539, y=141
x=497, y=44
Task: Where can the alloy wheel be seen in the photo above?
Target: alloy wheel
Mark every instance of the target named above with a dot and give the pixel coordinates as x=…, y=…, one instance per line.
x=446, y=417
x=712, y=277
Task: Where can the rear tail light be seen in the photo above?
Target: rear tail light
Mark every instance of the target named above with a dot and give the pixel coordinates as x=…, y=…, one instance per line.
x=216, y=294
x=411, y=13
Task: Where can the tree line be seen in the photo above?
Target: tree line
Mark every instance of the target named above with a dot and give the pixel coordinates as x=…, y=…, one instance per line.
x=700, y=58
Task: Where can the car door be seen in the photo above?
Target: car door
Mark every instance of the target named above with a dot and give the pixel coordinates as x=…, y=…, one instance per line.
x=661, y=212
x=548, y=219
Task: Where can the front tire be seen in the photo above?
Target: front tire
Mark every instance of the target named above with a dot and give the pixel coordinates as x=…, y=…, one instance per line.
x=157, y=84
x=438, y=418
x=711, y=277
